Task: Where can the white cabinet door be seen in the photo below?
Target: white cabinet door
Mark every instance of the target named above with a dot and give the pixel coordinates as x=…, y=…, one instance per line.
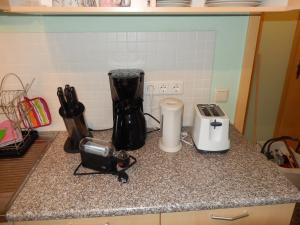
x=258, y=215
x=152, y=219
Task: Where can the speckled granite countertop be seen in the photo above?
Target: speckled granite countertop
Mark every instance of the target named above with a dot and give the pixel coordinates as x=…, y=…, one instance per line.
x=159, y=182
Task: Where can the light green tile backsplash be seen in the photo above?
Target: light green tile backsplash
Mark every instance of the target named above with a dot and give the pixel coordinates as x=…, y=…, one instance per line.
x=230, y=40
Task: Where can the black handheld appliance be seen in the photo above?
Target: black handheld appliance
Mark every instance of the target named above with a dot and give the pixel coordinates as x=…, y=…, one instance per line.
x=102, y=157
x=129, y=124
x=71, y=110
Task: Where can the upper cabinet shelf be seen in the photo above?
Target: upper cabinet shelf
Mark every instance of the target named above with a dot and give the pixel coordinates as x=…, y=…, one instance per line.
x=139, y=8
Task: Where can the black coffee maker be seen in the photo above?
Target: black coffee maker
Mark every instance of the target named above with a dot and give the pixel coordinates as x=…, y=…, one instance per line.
x=127, y=88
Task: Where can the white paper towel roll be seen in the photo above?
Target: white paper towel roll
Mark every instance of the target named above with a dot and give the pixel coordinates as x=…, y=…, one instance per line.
x=171, y=110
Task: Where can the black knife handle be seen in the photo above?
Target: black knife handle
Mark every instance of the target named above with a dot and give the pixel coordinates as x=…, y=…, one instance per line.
x=73, y=95
x=67, y=93
x=62, y=100
x=74, y=101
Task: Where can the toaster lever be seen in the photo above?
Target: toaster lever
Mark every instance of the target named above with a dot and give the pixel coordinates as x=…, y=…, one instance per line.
x=215, y=124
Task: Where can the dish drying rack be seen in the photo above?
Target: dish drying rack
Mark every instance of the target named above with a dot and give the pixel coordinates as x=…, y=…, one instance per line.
x=10, y=100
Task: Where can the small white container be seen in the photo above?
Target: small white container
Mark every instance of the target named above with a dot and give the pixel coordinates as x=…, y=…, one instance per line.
x=171, y=110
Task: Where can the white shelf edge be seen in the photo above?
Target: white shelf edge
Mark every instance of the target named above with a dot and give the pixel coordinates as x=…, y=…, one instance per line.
x=40, y=10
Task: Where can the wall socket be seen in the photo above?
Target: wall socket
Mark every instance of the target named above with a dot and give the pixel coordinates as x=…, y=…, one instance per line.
x=166, y=87
x=221, y=95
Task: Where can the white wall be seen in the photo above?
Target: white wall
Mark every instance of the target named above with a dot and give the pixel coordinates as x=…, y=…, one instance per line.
x=84, y=59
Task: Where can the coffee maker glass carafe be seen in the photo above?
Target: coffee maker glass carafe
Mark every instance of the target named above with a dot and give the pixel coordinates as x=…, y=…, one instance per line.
x=129, y=129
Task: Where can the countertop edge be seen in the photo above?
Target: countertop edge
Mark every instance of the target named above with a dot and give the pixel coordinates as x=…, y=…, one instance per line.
x=144, y=210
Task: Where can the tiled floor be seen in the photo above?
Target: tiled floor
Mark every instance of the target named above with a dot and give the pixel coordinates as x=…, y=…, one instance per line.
x=13, y=171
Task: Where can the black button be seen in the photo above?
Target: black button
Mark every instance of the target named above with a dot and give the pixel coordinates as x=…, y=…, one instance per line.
x=216, y=124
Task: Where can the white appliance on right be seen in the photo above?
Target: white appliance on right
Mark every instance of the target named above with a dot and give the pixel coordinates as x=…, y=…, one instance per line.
x=210, y=129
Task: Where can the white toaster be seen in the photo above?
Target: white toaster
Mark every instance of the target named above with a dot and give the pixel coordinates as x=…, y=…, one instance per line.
x=210, y=129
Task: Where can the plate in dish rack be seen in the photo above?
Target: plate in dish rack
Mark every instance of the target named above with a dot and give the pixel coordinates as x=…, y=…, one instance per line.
x=166, y=2
x=215, y=1
x=177, y=2
x=233, y=4
x=173, y=1
x=173, y=4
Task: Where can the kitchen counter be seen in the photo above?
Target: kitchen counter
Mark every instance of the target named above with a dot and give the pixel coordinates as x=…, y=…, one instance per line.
x=158, y=182
x=14, y=171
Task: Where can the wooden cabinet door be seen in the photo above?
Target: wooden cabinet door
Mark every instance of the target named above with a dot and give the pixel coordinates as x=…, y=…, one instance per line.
x=4, y=4
x=288, y=123
x=258, y=215
x=152, y=219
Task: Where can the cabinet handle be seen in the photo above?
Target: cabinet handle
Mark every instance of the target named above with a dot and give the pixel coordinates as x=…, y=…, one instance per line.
x=216, y=217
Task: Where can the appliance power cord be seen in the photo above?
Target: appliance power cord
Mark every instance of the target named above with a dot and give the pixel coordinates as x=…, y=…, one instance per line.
x=154, y=118
x=148, y=114
x=184, y=135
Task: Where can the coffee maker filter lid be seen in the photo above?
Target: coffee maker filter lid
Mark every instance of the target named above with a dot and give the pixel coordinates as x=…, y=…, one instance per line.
x=125, y=73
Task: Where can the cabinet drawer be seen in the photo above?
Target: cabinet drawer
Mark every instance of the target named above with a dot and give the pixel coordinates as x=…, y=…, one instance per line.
x=258, y=215
x=117, y=220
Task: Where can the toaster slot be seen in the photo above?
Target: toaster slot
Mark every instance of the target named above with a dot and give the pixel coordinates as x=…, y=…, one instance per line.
x=216, y=111
x=210, y=110
x=206, y=112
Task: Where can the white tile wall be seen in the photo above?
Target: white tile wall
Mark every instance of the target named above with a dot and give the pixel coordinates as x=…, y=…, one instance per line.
x=84, y=59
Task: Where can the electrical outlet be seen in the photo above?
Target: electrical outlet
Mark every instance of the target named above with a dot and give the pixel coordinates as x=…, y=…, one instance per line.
x=167, y=87
x=221, y=95
x=163, y=88
x=176, y=87
x=151, y=88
